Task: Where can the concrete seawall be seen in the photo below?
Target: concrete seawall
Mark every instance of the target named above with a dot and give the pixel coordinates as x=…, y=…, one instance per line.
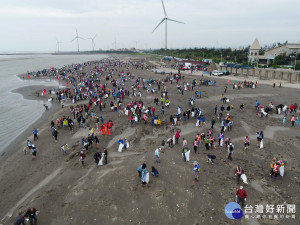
x=286, y=75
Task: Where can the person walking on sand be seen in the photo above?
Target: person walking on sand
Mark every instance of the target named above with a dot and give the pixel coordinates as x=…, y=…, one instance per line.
x=145, y=174
x=108, y=127
x=55, y=133
x=64, y=149
x=82, y=157
x=97, y=157
x=230, y=150
x=297, y=121
x=29, y=144
x=221, y=138
x=195, y=144
x=275, y=170
x=293, y=120
x=272, y=166
x=216, y=109
x=241, y=196
x=184, y=142
x=140, y=169
x=196, y=170
x=213, y=121
x=156, y=153
x=177, y=136
x=103, y=129
x=97, y=142
x=105, y=152
x=246, y=142
x=35, y=134
x=238, y=173
x=284, y=121
x=260, y=136
x=33, y=151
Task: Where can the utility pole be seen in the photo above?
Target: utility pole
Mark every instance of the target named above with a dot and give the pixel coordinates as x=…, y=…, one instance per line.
x=166, y=35
x=295, y=61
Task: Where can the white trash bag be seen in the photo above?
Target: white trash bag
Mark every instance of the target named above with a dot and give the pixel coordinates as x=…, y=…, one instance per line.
x=244, y=178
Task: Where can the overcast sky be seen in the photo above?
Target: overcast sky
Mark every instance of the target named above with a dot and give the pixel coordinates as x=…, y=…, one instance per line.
x=34, y=25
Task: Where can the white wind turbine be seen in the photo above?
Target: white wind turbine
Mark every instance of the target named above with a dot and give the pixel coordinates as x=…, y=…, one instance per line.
x=77, y=37
x=57, y=44
x=93, y=41
x=115, y=44
x=166, y=20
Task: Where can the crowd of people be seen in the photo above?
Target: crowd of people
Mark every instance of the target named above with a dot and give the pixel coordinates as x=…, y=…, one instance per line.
x=108, y=86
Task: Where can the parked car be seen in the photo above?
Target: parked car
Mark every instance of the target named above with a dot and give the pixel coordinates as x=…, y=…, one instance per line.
x=225, y=72
x=217, y=73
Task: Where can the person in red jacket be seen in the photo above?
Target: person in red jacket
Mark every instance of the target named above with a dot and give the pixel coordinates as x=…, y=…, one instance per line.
x=177, y=136
x=109, y=126
x=241, y=196
x=103, y=129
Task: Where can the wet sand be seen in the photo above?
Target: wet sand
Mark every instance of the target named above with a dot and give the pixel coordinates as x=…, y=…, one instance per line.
x=112, y=194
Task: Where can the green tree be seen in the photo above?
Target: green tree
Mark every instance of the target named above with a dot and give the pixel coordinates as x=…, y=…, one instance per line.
x=297, y=67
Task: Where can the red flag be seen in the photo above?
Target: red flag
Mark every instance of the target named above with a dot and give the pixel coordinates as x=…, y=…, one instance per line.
x=28, y=74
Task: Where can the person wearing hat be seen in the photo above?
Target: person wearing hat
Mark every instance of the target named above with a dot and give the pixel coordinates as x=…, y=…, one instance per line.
x=64, y=149
x=196, y=170
x=241, y=196
x=126, y=144
x=156, y=153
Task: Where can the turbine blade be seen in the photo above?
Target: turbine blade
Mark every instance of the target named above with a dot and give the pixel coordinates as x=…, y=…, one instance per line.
x=74, y=39
x=95, y=36
x=76, y=32
x=175, y=21
x=164, y=8
x=159, y=24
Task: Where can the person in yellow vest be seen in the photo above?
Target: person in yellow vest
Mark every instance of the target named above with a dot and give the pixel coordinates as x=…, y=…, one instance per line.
x=92, y=132
x=272, y=166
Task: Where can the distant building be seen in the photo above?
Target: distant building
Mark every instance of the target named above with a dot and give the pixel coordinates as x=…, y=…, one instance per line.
x=269, y=55
x=193, y=64
x=287, y=49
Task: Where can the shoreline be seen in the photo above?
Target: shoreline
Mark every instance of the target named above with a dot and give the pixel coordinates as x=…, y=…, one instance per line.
x=28, y=92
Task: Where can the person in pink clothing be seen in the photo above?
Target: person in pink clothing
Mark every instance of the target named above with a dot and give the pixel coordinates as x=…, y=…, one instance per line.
x=177, y=136
x=293, y=120
x=184, y=142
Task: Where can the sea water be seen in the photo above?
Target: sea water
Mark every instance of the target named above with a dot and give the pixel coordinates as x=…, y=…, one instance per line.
x=17, y=113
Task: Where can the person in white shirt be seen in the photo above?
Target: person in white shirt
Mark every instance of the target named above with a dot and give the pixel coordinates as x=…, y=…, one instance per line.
x=156, y=153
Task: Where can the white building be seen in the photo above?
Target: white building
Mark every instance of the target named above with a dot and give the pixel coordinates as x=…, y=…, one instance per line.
x=269, y=55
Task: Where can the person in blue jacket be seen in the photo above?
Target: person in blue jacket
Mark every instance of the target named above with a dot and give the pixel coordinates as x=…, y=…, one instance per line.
x=154, y=172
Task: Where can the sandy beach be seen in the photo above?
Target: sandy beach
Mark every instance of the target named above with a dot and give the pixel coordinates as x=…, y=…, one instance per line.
x=67, y=194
